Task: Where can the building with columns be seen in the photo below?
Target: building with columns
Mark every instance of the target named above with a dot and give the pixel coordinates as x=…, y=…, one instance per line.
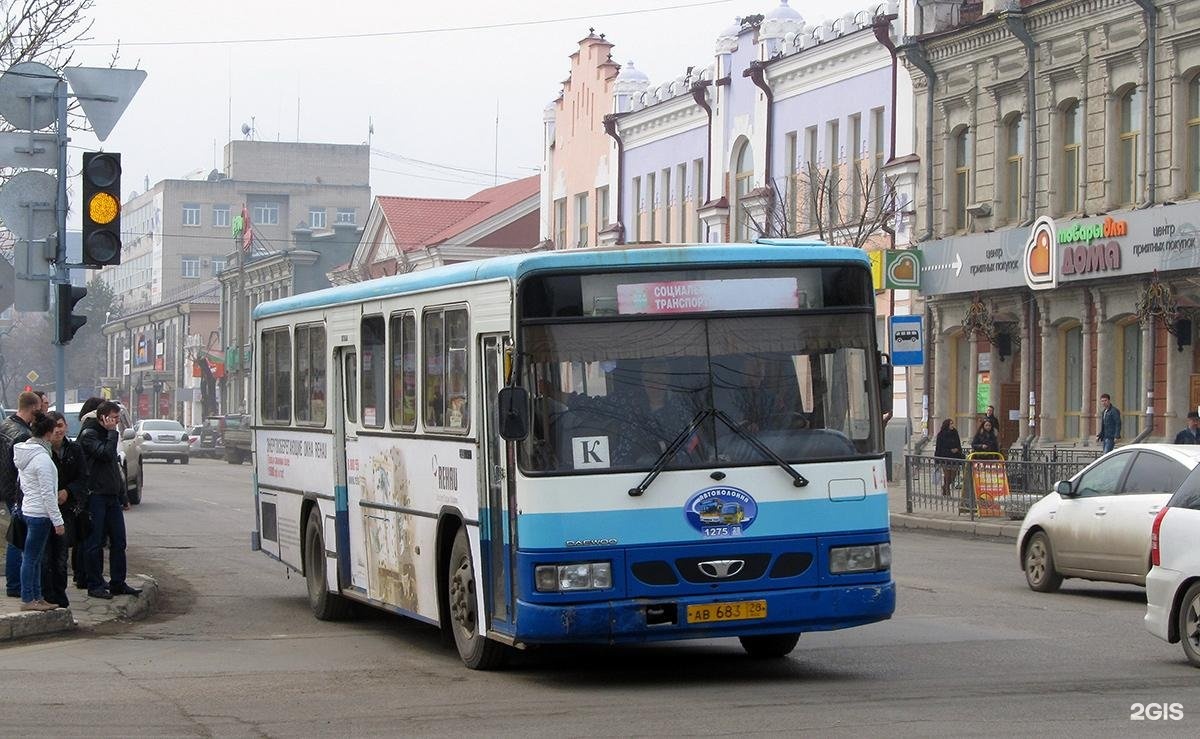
x=1059, y=188
x=733, y=147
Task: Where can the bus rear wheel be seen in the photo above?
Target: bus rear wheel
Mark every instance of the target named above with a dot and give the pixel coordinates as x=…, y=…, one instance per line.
x=476, y=650
x=326, y=606
x=769, y=646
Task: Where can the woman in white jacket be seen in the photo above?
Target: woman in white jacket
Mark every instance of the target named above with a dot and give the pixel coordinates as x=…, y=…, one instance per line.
x=39, y=507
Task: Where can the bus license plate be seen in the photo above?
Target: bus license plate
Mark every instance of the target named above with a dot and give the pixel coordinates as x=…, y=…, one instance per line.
x=736, y=611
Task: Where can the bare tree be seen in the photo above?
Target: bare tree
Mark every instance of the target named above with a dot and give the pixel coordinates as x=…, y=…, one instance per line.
x=45, y=31
x=847, y=210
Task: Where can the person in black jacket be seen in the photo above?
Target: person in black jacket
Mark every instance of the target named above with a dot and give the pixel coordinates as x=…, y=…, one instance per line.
x=948, y=453
x=106, y=501
x=72, y=501
x=985, y=438
x=14, y=430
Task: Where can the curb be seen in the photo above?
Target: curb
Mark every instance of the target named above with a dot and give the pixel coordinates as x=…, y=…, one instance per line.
x=25, y=624
x=981, y=529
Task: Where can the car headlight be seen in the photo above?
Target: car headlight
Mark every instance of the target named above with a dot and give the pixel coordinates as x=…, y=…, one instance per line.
x=576, y=576
x=868, y=558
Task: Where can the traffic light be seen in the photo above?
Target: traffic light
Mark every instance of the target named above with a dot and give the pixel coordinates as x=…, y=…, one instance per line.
x=67, y=323
x=101, y=209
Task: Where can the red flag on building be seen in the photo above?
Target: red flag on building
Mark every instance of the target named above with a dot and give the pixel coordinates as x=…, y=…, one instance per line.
x=247, y=231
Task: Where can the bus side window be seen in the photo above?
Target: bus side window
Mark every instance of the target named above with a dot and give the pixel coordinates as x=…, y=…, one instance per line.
x=446, y=369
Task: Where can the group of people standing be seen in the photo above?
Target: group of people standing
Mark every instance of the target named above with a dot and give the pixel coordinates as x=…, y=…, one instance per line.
x=65, y=499
x=948, y=449
x=948, y=445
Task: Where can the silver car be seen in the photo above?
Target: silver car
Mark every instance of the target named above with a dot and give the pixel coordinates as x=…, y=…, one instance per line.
x=161, y=439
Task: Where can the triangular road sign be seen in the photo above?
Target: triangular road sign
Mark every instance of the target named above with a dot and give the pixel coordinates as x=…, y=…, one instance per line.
x=103, y=94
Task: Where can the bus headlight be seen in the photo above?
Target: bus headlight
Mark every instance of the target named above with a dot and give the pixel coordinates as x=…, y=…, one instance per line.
x=869, y=558
x=577, y=576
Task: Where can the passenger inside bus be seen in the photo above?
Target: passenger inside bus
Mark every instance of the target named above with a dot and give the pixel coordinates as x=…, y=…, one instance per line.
x=759, y=392
x=644, y=406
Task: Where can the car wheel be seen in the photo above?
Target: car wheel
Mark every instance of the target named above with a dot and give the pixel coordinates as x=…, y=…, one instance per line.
x=1039, y=565
x=326, y=606
x=183, y=460
x=769, y=646
x=1189, y=624
x=134, y=493
x=477, y=651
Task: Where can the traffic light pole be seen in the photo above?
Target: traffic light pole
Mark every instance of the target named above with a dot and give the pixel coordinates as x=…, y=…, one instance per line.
x=62, y=274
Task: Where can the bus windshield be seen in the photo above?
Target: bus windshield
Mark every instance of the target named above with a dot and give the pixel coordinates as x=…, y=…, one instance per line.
x=614, y=395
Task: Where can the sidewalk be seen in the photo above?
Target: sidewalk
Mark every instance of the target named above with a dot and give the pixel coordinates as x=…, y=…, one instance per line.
x=84, y=611
x=946, y=522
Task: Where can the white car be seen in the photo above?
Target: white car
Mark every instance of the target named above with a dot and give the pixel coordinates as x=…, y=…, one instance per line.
x=1173, y=585
x=1096, y=526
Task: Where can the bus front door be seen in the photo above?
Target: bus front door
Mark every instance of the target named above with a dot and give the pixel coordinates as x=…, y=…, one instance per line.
x=498, y=521
x=345, y=442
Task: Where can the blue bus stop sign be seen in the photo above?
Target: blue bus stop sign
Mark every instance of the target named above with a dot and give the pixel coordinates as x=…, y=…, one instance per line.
x=907, y=340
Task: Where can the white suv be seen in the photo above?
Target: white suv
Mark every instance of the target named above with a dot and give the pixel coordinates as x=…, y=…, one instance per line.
x=1173, y=585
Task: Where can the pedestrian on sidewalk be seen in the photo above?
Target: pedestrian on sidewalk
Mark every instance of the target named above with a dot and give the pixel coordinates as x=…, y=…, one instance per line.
x=72, y=500
x=14, y=430
x=1191, y=434
x=83, y=519
x=1110, y=423
x=106, y=501
x=39, y=507
x=948, y=454
x=985, y=438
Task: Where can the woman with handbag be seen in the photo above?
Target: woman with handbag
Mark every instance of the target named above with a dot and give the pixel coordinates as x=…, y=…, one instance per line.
x=948, y=453
x=39, y=507
x=72, y=504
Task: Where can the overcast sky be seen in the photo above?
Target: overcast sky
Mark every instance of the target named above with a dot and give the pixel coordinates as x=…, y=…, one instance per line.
x=430, y=95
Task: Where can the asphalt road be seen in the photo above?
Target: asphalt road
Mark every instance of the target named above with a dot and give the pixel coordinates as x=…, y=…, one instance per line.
x=235, y=652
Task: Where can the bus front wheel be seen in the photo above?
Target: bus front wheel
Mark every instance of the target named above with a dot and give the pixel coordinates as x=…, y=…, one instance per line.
x=326, y=606
x=477, y=651
x=769, y=646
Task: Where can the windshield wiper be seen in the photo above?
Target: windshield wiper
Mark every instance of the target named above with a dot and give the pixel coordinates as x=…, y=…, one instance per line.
x=797, y=479
x=661, y=463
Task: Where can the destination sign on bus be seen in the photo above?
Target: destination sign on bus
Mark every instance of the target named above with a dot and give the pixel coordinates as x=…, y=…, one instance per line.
x=700, y=296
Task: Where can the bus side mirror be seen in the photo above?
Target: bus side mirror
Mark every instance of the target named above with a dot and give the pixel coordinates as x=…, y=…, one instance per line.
x=513, y=404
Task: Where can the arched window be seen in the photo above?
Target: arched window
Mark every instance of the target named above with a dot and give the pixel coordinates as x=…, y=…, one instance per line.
x=1193, y=135
x=743, y=182
x=1072, y=380
x=1129, y=127
x=962, y=155
x=1014, y=143
x=1072, y=140
x=1132, y=389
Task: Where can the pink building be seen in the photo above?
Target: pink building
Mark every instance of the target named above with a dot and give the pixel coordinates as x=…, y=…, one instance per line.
x=580, y=173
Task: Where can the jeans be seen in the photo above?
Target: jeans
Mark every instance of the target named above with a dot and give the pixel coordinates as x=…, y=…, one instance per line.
x=12, y=564
x=54, y=570
x=1108, y=444
x=108, y=522
x=39, y=530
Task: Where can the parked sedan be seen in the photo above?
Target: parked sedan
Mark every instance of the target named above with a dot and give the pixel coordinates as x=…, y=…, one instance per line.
x=1173, y=585
x=161, y=439
x=1096, y=525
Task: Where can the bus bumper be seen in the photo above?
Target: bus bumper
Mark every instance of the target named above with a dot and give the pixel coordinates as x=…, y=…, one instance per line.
x=661, y=619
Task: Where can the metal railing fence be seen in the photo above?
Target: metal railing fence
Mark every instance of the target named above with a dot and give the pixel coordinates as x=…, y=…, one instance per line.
x=947, y=486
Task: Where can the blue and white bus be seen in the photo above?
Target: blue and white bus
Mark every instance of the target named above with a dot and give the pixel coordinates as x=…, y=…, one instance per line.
x=586, y=446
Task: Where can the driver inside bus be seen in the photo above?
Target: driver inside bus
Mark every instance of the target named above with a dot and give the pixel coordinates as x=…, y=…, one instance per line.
x=648, y=404
x=754, y=391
